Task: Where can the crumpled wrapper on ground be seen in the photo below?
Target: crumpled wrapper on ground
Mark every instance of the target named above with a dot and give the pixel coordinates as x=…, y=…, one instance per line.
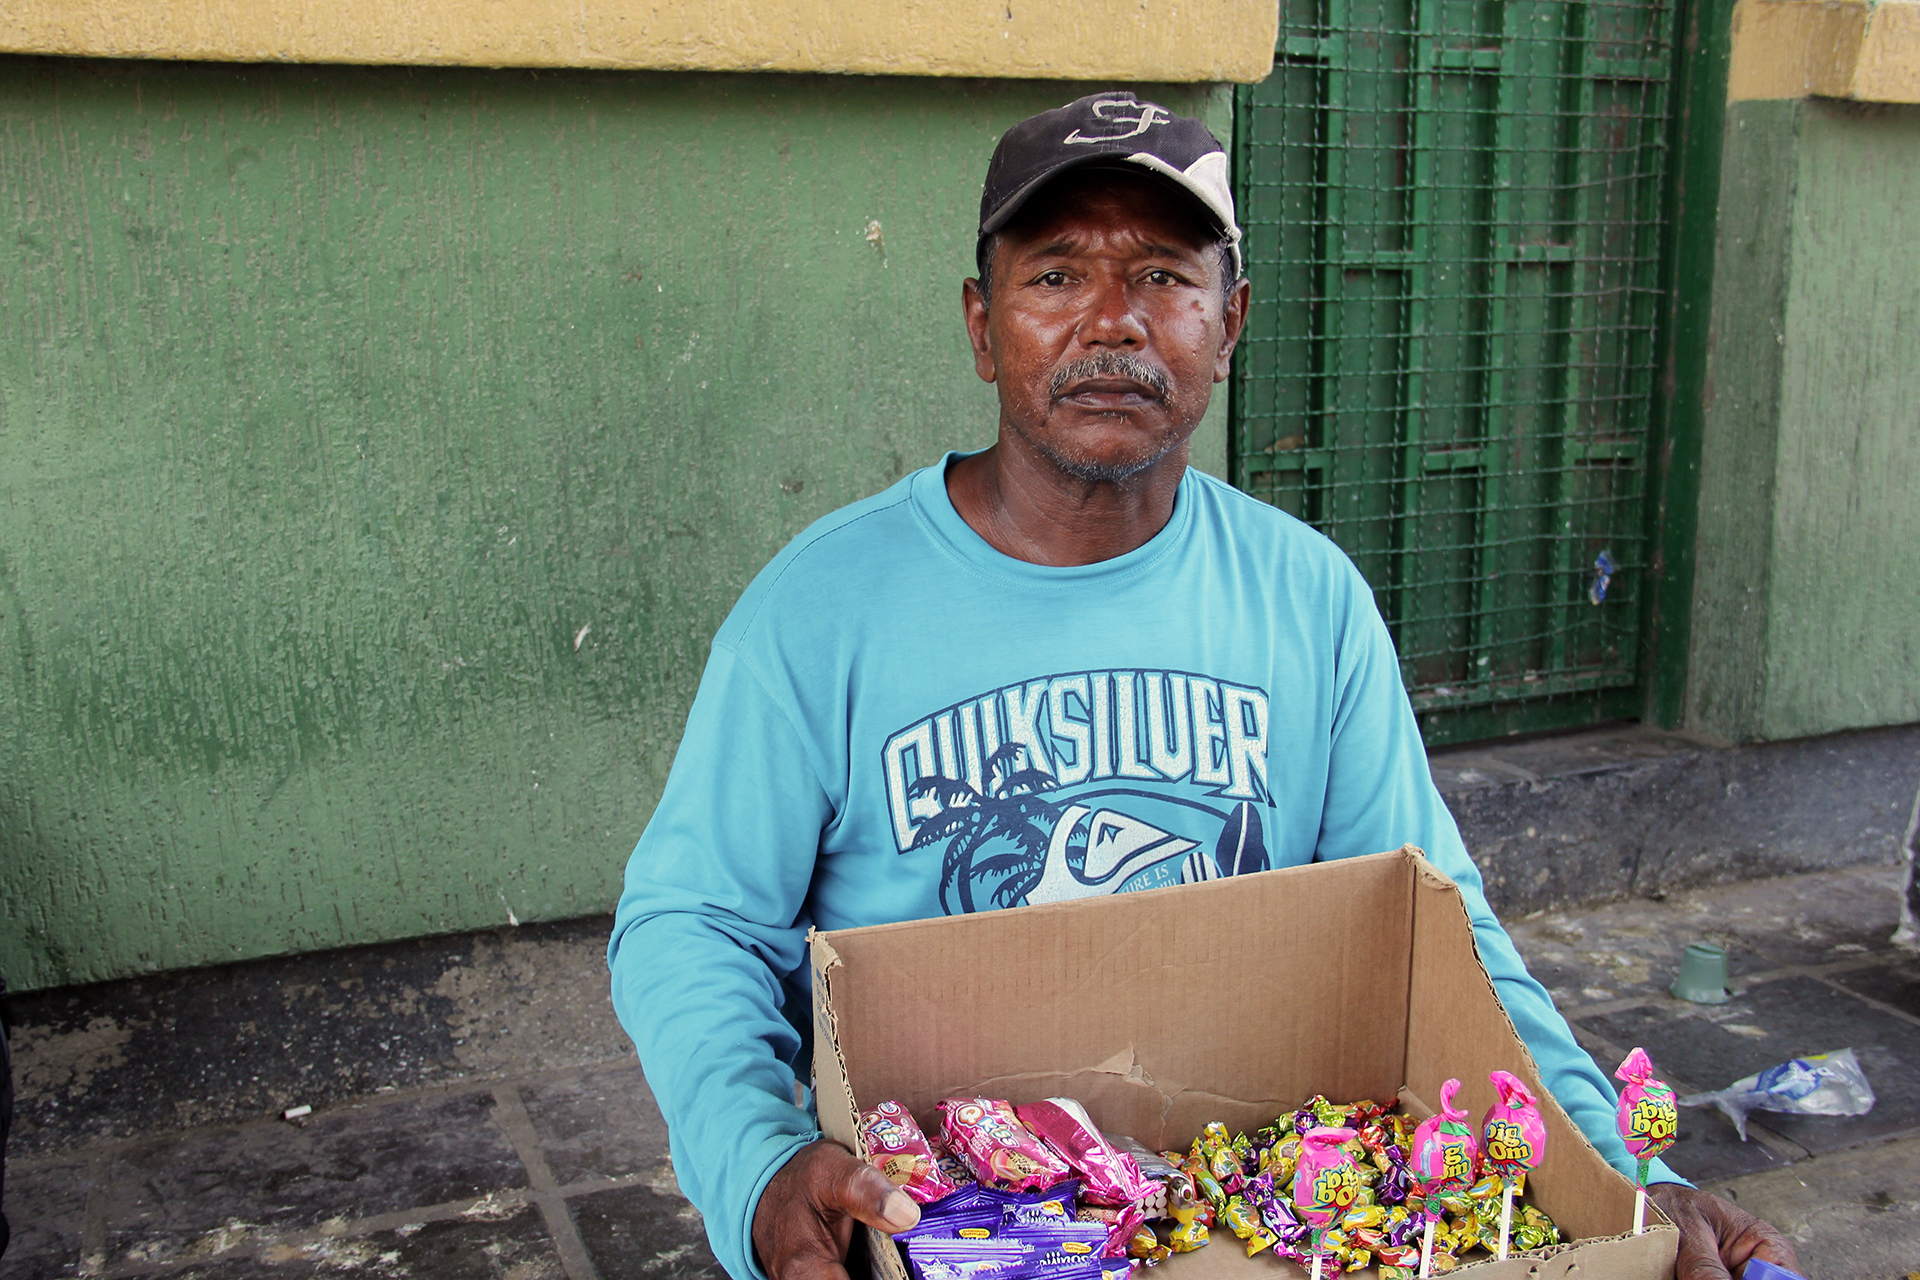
x=1825, y=1084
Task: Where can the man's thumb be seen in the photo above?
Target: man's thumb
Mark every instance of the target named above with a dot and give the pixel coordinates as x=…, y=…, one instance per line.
x=867, y=1195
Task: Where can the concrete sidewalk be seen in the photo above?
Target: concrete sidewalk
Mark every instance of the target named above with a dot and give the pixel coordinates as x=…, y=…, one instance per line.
x=477, y=1112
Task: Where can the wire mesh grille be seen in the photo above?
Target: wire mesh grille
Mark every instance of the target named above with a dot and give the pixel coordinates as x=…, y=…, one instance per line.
x=1452, y=211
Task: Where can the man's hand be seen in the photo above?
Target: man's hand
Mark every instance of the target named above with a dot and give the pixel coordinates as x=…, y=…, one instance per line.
x=803, y=1224
x=1717, y=1238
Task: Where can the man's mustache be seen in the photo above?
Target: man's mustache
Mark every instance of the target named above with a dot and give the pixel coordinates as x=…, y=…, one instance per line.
x=1112, y=364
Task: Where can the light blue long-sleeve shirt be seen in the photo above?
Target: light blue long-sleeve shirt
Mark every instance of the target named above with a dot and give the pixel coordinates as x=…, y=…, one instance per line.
x=898, y=721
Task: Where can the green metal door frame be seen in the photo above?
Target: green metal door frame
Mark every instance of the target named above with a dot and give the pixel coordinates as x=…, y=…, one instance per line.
x=1686, y=287
x=1573, y=398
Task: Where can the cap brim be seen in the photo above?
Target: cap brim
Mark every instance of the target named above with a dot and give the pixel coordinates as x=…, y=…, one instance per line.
x=1137, y=162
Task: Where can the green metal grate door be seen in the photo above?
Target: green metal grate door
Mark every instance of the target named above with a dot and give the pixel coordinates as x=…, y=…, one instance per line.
x=1452, y=211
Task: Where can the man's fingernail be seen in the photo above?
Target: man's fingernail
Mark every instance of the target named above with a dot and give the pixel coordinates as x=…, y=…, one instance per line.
x=900, y=1211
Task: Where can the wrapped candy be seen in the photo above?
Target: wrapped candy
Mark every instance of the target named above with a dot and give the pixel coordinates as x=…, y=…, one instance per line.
x=1444, y=1153
x=1648, y=1120
x=898, y=1148
x=1146, y=1246
x=1395, y=1181
x=1324, y=1184
x=1107, y=1176
x=965, y=1259
x=1189, y=1233
x=1516, y=1142
x=1241, y=1218
x=951, y=1166
x=1275, y=1212
x=996, y=1146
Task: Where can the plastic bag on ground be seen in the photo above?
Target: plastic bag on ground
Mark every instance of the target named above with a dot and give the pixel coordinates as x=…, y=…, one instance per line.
x=1824, y=1084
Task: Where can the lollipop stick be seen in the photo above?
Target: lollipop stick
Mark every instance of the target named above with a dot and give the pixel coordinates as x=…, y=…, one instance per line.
x=1426, y=1252
x=1506, y=1217
x=1640, y=1202
x=1316, y=1264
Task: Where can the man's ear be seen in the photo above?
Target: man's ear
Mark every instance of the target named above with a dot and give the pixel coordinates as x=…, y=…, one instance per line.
x=1233, y=319
x=974, y=308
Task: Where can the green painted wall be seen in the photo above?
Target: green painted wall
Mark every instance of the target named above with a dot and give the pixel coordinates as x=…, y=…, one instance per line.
x=1807, y=589
x=380, y=448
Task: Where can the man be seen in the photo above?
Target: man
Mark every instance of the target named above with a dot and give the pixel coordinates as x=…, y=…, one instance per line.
x=1063, y=666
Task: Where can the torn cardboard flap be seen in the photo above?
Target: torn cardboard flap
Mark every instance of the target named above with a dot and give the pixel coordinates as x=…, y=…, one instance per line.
x=1147, y=1008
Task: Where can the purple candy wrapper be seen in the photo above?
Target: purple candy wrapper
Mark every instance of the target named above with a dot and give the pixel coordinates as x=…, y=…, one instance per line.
x=966, y=1259
x=947, y=1225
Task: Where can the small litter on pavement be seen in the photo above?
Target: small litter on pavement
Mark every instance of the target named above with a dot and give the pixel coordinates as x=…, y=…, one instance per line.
x=1825, y=1084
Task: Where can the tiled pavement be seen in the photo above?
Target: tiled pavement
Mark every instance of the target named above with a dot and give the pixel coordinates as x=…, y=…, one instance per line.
x=477, y=1112
x=1812, y=971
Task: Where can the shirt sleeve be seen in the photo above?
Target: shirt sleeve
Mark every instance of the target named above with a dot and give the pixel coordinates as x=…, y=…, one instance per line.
x=1380, y=795
x=707, y=928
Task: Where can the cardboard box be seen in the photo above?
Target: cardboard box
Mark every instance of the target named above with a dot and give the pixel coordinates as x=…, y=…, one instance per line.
x=1231, y=1000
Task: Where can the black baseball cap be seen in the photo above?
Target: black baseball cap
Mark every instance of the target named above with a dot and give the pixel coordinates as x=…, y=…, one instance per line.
x=1113, y=128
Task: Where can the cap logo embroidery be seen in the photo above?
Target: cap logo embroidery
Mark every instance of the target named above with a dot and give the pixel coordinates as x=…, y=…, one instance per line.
x=1113, y=110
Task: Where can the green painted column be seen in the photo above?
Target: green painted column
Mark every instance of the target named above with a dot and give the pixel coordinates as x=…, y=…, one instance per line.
x=1807, y=587
x=380, y=448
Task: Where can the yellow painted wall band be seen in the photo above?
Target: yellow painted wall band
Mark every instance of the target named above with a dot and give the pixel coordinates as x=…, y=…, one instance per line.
x=1825, y=48
x=1169, y=40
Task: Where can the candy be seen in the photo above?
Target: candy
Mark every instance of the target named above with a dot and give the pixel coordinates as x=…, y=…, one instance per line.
x=1648, y=1122
x=1042, y=1211
x=1121, y=1222
x=898, y=1149
x=1146, y=1246
x=1220, y=1158
x=966, y=1222
x=1152, y=1165
x=1107, y=1176
x=996, y=1146
x=965, y=1259
x=1189, y=1233
x=1444, y=1149
x=1324, y=1183
x=1515, y=1134
x=951, y=1166
x=1648, y=1119
x=1516, y=1142
x=1444, y=1152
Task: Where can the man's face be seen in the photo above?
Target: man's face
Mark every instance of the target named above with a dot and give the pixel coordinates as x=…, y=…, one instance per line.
x=1108, y=326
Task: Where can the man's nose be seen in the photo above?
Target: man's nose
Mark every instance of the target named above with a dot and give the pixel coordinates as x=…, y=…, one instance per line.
x=1112, y=317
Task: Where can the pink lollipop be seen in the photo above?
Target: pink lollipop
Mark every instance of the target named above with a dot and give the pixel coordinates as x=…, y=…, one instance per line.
x=1444, y=1154
x=1648, y=1122
x=1324, y=1182
x=1516, y=1139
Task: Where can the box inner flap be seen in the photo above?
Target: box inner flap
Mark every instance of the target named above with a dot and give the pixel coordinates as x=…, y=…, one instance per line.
x=1457, y=1028
x=1256, y=992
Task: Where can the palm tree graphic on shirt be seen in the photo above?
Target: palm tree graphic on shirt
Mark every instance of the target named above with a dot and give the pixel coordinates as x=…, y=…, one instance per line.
x=1012, y=810
x=1043, y=849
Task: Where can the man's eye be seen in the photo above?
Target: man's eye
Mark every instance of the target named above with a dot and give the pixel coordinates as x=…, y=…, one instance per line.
x=1054, y=279
x=1161, y=277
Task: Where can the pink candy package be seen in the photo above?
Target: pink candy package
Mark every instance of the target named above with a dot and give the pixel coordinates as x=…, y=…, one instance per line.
x=999, y=1149
x=1513, y=1132
x=1107, y=1176
x=898, y=1148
